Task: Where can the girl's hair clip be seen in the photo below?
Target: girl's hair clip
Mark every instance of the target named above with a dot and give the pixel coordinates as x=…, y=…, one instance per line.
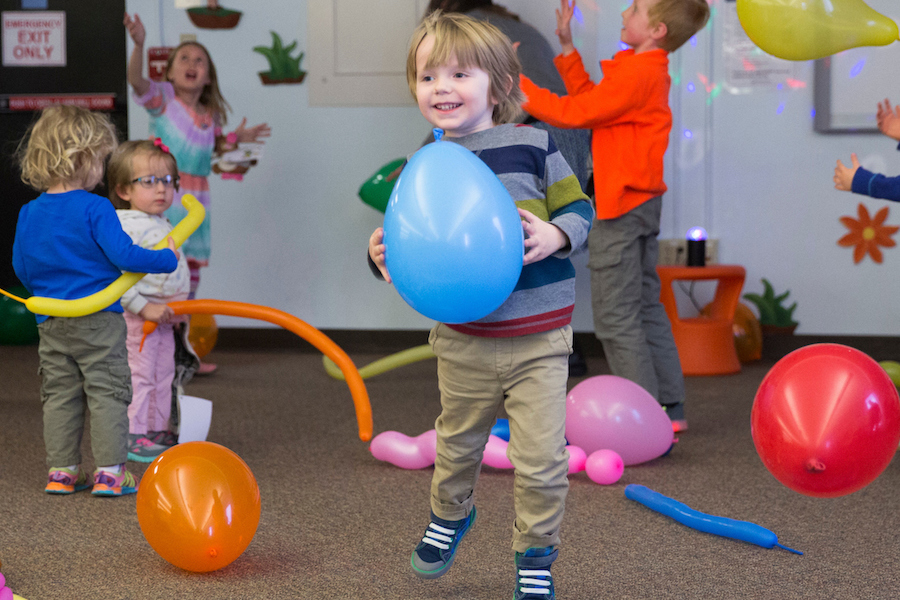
x=158, y=143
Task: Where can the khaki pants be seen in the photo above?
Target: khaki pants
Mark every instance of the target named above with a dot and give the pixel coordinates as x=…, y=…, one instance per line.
x=85, y=358
x=527, y=376
x=629, y=319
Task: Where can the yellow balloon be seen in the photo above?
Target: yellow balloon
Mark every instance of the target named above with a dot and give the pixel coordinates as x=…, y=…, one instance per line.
x=811, y=29
x=382, y=365
x=54, y=307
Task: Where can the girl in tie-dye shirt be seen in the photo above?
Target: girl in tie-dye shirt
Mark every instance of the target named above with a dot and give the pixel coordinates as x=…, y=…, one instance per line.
x=187, y=111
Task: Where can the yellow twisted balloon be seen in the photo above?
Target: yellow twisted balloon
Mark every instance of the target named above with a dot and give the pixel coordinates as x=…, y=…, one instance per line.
x=54, y=307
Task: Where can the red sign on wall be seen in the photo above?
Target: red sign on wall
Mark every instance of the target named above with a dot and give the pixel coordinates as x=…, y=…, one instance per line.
x=157, y=57
x=88, y=101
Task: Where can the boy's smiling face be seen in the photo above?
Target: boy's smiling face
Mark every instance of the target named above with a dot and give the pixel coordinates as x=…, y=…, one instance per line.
x=451, y=97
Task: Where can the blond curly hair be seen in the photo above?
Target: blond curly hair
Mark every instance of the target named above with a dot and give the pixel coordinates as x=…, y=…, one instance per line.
x=474, y=43
x=67, y=144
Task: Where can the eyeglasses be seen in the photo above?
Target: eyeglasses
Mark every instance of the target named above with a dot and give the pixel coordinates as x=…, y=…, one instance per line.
x=150, y=181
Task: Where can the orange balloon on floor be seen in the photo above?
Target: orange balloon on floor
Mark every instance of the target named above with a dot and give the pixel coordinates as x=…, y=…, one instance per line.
x=747, y=332
x=203, y=334
x=198, y=506
x=826, y=420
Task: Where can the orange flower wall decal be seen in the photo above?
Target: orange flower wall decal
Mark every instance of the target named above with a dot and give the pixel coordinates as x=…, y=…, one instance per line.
x=867, y=234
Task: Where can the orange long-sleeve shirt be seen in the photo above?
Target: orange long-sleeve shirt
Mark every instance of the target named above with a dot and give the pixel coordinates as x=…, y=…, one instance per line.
x=628, y=112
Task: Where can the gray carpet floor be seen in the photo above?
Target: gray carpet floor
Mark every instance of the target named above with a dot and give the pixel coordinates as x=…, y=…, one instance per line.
x=336, y=523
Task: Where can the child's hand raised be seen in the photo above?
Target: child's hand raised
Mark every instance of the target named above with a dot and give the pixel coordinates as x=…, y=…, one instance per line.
x=251, y=134
x=542, y=238
x=564, y=25
x=888, y=119
x=377, y=252
x=843, y=176
x=135, y=29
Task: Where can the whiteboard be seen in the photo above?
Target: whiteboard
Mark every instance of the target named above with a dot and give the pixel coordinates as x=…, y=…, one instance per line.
x=849, y=84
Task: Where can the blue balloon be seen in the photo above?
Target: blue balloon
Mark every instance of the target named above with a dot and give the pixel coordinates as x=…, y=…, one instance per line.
x=453, y=238
x=501, y=429
x=723, y=526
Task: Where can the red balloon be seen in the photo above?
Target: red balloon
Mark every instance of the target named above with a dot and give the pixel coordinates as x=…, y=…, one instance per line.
x=826, y=420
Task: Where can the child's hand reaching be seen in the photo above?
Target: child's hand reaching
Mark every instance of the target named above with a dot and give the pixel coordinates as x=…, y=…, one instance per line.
x=843, y=176
x=135, y=29
x=564, y=25
x=542, y=238
x=174, y=248
x=377, y=252
x=251, y=134
x=158, y=313
x=888, y=119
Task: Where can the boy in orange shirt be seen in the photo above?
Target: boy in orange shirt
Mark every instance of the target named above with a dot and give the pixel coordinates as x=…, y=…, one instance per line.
x=628, y=113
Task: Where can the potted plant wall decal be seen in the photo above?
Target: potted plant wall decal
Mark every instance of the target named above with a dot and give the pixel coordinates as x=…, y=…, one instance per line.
x=773, y=317
x=282, y=67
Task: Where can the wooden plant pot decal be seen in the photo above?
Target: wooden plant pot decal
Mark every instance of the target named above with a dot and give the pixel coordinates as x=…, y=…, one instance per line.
x=220, y=18
x=268, y=80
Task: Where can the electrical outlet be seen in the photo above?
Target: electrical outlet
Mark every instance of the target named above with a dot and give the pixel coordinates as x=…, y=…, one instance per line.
x=712, y=252
x=674, y=252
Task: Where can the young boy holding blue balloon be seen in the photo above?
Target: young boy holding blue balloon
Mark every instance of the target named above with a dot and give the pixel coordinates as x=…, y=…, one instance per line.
x=464, y=76
x=628, y=112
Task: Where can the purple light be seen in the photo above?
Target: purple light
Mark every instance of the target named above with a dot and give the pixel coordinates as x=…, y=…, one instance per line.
x=696, y=234
x=688, y=134
x=691, y=87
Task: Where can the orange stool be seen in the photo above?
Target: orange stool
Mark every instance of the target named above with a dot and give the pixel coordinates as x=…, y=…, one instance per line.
x=705, y=343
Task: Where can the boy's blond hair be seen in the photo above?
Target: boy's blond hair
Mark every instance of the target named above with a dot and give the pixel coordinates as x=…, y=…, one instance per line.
x=474, y=43
x=120, y=172
x=67, y=144
x=210, y=97
x=683, y=18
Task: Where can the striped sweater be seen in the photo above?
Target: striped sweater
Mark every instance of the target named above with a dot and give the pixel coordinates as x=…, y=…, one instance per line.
x=541, y=182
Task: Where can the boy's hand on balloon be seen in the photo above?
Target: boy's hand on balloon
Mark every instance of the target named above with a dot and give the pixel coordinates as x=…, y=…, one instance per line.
x=158, y=313
x=564, y=25
x=541, y=238
x=843, y=176
x=377, y=252
x=888, y=119
x=135, y=29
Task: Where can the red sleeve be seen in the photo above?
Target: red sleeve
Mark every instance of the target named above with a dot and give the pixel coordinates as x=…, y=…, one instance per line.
x=603, y=104
x=571, y=69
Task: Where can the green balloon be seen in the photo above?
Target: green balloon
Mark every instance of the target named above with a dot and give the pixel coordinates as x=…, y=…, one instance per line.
x=17, y=324
x=892, y=368
x=376, y=191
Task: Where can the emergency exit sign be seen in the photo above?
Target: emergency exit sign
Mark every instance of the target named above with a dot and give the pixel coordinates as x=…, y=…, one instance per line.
x=34, y=39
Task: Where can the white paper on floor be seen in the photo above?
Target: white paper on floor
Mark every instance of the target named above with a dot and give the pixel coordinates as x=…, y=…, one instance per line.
x=194, y=417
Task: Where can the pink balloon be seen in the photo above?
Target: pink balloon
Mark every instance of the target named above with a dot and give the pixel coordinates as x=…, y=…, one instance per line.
x=6, y=594
x=427, y=443
x=577, y=458
x=399, y=450
x=495, y=453
x=609, y=412
x=604, y=467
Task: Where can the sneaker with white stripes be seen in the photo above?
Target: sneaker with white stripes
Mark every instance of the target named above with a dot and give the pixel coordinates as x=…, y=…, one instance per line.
x=533, y=578
x=434, y=555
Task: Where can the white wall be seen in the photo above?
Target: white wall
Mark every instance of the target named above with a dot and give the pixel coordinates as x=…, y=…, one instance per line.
x=293, y=234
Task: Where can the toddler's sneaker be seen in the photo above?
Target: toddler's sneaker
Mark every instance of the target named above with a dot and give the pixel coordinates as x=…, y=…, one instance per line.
x=142, y=449
x=66, y=481
x=675, y=413
x=533, y=578
x=114, y=484
x=434, y=555
x=163, y=438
